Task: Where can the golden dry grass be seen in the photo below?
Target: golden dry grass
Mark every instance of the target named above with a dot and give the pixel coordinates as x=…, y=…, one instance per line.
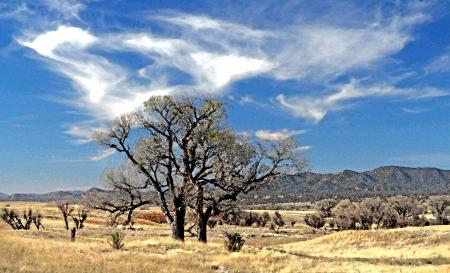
x=297, y=249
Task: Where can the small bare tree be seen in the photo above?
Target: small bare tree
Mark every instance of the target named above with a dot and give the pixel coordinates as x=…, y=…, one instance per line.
x=78, y=214
x=66, y=210
x=80, y=217
x=29, y=217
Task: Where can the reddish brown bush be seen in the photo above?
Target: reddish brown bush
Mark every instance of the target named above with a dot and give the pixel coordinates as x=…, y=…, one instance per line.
x=156, y=217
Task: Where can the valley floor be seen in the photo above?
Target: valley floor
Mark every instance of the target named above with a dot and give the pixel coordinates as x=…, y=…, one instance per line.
x=296, y=249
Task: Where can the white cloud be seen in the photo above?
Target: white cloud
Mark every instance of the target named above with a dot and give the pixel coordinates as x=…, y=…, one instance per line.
x=82, y=133
x=105, y=90
x=315, y=108
x=278, y=135
x=413, y=110
x=205, y=23
x=14, y=11
x=303, y=148
x=66, y=8
x=74, y=38
x=246, y=100
x=219, y=70
x=102, y=155
x=440, y=64
x=214, y=54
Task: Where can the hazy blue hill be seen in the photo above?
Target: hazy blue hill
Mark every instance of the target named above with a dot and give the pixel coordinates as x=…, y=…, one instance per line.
x=383, y=181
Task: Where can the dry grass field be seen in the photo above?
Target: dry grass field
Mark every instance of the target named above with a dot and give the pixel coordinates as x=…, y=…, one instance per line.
x=296, y=249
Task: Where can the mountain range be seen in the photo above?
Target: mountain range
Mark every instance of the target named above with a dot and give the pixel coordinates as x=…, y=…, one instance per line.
x=382, y=181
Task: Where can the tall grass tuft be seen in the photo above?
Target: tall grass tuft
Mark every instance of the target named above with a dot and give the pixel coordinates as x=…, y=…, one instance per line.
x=233, y=241
x=116, y=240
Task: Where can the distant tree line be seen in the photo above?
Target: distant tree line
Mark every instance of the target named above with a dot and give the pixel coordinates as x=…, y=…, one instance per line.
x=377, y=212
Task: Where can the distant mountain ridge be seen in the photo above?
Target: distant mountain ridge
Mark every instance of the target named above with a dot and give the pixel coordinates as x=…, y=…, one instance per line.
x=68, y=196
x=384, y=181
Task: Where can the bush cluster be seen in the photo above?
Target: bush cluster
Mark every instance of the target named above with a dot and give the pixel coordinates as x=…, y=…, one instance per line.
x=369, y=213
x=245, y=219
x=156, y=217
x=25, y=222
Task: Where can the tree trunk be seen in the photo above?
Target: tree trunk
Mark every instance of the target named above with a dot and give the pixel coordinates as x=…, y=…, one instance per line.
x=66, y=222
x=178, y=224
x=201, y=223
x=202, y=227
x=73, y=233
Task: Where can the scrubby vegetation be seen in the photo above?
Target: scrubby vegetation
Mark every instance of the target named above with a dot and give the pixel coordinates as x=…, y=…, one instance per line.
x=116, y=240
x=149, y=247
x=315, y=220
x=78, y=214
x=376, y=213
x=277, y=222
x=12, y=218
x=233, y=241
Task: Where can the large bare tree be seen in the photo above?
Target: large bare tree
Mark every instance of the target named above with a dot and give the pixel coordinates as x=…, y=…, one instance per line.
x=189, y=157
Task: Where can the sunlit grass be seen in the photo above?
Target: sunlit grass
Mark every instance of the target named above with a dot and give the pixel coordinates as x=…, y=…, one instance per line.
x=298, y=249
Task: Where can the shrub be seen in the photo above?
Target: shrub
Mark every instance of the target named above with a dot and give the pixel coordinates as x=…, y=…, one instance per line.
x=233, y=241
x=212, y=223
x=156, y=217
x=265, y=218
x=325, y=206
x=346, y=218
x=29, y=217
x=277, y=222
x=315, y=220
x=389, y=218
x=408, y=209
x=247, y=219
x=116, y=240
x=439, y=206
x=396, y=211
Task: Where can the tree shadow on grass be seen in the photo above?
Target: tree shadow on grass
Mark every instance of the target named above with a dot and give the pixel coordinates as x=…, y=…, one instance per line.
x=375, y=261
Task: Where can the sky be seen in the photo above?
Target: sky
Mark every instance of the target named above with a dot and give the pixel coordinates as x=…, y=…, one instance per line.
x=360, y=84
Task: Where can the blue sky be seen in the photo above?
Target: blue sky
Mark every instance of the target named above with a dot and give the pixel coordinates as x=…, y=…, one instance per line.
x=360, y=85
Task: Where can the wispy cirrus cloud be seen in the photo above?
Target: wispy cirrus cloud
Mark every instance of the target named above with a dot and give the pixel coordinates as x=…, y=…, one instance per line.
x=8, y=11
x=68, y=9
x=211, y=54
x=278, y=135
x=102, y=155
x=303, y=149
x=440, y=64
x=315, y=108
x=413, y=110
